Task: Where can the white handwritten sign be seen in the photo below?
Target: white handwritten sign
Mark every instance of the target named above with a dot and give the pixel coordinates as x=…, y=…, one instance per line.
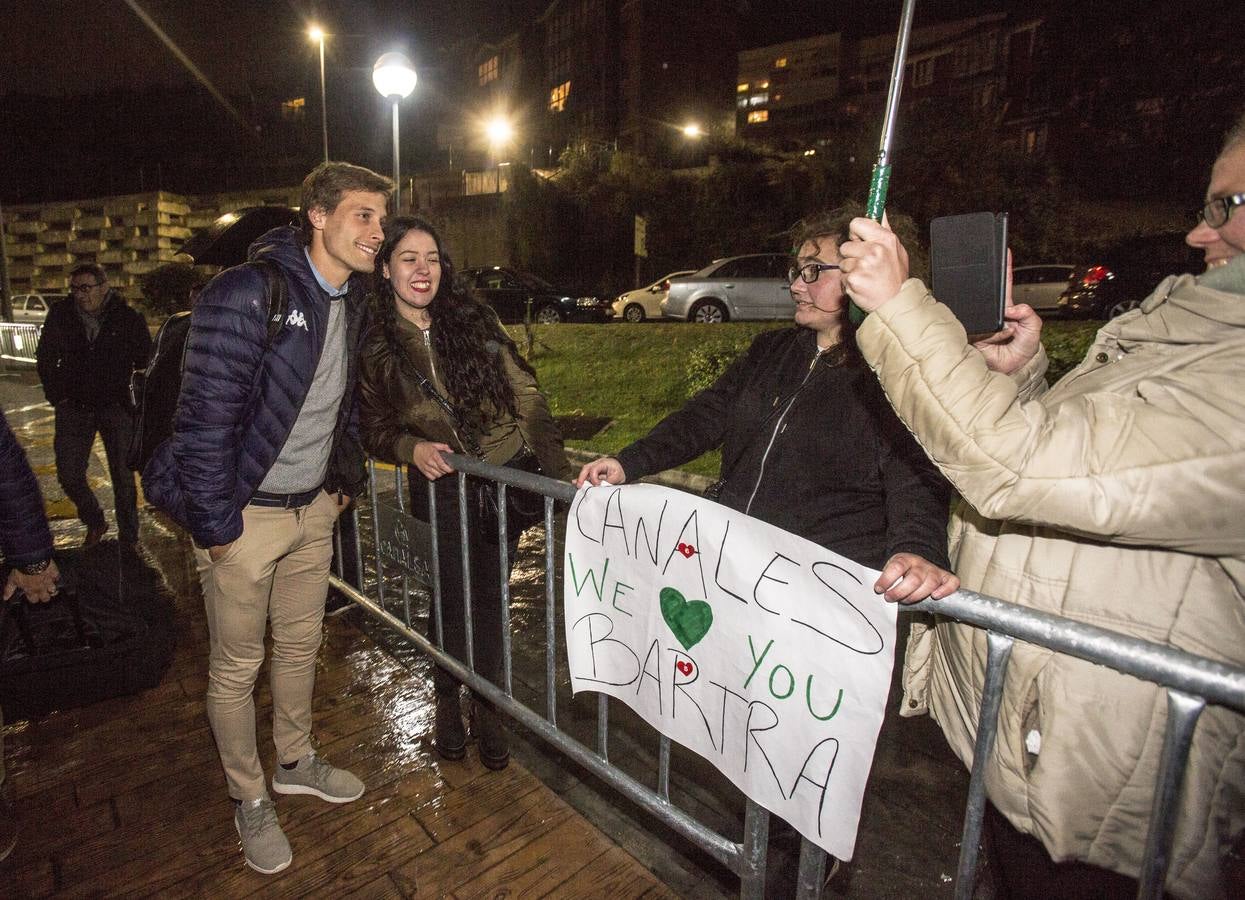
x=765, y=653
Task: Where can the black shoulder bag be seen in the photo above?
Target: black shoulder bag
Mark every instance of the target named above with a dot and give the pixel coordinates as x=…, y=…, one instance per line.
x=523, y=508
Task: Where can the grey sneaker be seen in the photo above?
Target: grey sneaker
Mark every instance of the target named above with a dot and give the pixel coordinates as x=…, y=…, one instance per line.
x=314, y=776
x=263, y=842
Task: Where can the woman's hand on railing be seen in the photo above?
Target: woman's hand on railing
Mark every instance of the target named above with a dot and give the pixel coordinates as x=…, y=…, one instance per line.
x=428, y=459
x=908, y=578
x=605, y=470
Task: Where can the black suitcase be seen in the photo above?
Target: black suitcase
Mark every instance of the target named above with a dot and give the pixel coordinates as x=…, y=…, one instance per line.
x=107, y=633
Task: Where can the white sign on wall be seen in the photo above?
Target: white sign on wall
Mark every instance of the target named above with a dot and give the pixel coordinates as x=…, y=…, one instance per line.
x=765, y=653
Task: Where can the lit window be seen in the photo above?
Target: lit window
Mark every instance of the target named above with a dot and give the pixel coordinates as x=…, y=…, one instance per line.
x=294, y=109
x=558, y=95
x=780, y=63
x=742, y=102
x=759, y=99
x=757, y=116
x=741, y=88
x=762, y=85
x=488, y=70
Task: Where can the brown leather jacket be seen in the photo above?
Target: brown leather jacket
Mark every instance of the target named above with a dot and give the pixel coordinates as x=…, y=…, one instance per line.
x=395, y=413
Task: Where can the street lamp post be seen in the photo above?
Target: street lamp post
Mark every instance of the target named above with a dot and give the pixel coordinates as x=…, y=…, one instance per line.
x=395, y=78
x=499, y=132
x=316, y=33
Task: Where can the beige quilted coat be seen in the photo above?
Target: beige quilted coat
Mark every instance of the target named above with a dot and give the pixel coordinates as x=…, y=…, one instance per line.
x=1116, y=498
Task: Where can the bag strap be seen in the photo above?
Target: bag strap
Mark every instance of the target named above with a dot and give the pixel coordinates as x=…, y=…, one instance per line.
x=473, y=447
x=278, y=300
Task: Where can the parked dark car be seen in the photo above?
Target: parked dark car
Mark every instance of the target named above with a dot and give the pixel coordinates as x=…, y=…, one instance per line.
x=1122, y=275
x=511, y=293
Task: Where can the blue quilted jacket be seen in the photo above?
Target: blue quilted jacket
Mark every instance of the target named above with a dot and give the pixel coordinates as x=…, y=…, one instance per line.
x=24, y=534
x=238, y=401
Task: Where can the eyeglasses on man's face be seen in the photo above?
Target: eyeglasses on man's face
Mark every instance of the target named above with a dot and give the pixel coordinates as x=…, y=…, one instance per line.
x=809, y=272
x=84, y=287
x=1217, y=212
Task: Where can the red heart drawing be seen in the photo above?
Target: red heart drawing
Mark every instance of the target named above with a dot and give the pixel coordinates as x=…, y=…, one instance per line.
x=687, y=550
x=684, y=667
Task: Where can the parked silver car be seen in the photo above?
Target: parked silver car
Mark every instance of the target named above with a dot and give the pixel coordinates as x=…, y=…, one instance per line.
x=33, y=308
x=738, y=287
x=645, y=303
x=1040, y=286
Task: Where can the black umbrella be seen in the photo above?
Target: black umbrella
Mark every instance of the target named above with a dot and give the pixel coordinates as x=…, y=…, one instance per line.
x=225, y=241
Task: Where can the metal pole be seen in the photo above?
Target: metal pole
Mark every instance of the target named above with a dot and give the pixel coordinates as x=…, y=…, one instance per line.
x=397, y=183
x=324, y=109
x=6, y=303
x=880, y=181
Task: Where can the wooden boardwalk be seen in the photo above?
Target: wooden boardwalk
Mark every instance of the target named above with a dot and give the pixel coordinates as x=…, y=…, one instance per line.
x=127, y=797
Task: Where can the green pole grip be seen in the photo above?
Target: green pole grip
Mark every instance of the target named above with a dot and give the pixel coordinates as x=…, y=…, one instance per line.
x=879, y=183
x=878, y=186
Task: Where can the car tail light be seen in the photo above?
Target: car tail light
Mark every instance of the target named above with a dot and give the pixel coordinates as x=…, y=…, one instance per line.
x=665, y=285
x=1095, y=274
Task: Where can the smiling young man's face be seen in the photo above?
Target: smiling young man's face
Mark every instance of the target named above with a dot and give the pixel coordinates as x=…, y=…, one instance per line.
x=346, y=239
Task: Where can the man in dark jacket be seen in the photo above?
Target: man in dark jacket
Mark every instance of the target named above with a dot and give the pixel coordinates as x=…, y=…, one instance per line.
x=26, y=545
x=263, y=457
x=89, y=346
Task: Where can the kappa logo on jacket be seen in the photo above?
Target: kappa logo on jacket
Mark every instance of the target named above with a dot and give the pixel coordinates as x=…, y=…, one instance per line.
x=297, y=319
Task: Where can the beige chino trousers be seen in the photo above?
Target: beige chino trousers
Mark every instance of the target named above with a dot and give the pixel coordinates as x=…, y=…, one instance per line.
x=277, y=571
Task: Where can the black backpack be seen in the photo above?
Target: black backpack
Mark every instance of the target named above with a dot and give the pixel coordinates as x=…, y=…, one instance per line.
x=154, y=390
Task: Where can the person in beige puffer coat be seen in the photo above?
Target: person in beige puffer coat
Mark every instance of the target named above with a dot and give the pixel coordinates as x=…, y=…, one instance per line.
x=1115, y=498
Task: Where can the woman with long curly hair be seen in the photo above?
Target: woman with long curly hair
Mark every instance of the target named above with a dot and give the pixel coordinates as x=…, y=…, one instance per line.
x=438, y=373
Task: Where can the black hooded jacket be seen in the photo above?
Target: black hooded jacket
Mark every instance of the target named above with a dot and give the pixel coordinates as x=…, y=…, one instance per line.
x=811, y=445
x=94, y=373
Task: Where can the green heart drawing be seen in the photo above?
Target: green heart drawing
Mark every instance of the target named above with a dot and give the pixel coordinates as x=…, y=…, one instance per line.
x=689, y=620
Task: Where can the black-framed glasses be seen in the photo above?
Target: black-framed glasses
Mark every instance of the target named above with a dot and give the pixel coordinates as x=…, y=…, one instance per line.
x=83, y=288
x=1217, y=212
x=809, y=272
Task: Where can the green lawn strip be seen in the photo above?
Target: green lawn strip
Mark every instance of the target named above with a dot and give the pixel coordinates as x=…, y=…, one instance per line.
x=637, y=374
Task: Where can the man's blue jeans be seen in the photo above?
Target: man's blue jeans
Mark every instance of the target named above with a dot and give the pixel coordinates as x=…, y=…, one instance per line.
x=76, y=427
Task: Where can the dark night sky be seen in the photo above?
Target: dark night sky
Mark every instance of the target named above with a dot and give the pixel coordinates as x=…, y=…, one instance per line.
x=64, y=47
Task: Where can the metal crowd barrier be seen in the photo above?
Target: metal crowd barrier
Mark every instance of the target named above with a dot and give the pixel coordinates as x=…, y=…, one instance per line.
x=18, y=341
x=1192, y=683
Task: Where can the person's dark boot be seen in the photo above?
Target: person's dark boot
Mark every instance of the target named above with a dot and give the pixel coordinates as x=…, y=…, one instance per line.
x=450, y=738
x=492, y=740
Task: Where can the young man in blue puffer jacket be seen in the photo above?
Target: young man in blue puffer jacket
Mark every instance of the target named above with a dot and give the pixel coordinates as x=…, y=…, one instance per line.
x=264, y=456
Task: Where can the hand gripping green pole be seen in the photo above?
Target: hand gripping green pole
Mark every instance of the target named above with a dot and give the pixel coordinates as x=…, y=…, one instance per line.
x=880, y=181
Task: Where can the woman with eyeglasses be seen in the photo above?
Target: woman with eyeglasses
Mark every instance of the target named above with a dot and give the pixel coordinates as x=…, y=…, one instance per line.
x=438, y=373
x=809, y=443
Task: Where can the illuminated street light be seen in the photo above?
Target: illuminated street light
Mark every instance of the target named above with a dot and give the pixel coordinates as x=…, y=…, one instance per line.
x=692, y=130
x=500, y=133
x=395, y=78
x=316, y=33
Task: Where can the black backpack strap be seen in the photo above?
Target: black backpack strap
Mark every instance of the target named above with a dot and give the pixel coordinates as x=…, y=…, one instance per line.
x=278, y=301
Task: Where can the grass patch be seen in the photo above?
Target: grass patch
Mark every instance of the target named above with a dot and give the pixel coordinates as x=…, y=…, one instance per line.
x=635, y=375
x=1066, y=343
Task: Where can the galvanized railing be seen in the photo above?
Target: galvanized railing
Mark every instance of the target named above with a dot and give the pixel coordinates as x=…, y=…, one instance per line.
x=18, y=341
x=1192, y=683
